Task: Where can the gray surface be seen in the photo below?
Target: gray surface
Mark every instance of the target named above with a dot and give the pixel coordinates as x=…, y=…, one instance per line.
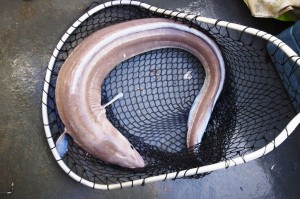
x=29, y=31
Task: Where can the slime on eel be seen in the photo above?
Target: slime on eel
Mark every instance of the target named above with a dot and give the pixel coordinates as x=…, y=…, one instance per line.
x=78, y=88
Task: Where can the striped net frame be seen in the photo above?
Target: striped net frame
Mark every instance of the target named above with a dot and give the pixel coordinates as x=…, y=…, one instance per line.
x=256, y=112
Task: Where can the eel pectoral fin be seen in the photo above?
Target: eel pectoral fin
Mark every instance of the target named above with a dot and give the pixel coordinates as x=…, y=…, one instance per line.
x=62, y=144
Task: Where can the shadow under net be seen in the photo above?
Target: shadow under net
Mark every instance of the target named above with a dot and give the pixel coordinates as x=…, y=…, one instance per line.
x=252, y=110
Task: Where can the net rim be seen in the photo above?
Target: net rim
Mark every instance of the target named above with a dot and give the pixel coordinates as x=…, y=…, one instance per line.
x=183, y=173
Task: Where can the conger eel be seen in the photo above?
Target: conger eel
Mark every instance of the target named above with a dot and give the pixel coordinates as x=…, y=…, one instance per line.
x=78, y=87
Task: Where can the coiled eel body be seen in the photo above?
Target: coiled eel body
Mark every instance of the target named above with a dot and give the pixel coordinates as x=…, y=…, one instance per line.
x=78, y=88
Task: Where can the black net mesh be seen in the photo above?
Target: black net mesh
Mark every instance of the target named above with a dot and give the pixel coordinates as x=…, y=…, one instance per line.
x=252, y=109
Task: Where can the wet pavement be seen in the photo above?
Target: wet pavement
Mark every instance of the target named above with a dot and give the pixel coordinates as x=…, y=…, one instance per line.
x=29, y=31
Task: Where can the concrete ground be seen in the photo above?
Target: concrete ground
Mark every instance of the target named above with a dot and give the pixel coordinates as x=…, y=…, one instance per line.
x=29, y=31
